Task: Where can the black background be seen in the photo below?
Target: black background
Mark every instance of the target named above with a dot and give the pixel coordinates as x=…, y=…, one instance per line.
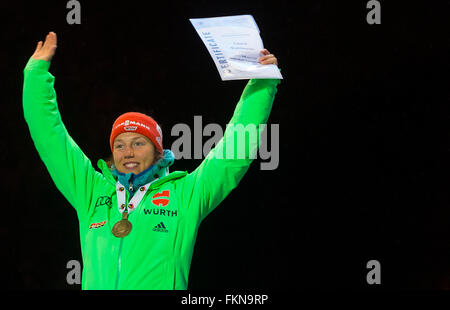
x=364, y=138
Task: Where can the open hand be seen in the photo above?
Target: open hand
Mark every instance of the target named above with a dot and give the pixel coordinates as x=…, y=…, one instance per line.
x=46, y=50
x=268, y=58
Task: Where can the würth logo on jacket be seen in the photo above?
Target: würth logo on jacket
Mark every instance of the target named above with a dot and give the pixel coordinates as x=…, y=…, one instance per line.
x=161, y=199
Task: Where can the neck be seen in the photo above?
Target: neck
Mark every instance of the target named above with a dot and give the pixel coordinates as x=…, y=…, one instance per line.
x=132, y=180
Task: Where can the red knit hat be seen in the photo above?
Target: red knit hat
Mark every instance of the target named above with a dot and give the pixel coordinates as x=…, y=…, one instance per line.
x=139, y=123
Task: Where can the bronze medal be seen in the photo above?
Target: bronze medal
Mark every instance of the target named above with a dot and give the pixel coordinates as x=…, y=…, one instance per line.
x=123, y=227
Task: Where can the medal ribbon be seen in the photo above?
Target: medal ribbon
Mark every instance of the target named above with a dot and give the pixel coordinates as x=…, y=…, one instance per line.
x=132, y=205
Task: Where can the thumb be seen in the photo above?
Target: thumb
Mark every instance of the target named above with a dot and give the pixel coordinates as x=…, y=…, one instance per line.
x=38, y=47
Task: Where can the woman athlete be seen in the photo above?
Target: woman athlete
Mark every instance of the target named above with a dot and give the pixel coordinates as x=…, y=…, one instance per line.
x=138, y=223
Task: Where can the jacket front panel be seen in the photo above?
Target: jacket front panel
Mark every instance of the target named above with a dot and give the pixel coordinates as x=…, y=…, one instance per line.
x=161, y=241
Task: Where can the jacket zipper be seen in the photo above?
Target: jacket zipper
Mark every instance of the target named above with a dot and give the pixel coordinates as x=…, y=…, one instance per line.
x=118, y=264
x=130, y=186
x=119, y=257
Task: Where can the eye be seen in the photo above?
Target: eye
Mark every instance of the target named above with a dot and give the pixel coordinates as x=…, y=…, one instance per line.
x=118, y=146
x=139, y=143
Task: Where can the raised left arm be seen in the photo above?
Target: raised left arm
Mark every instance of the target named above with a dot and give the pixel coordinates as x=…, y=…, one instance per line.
x=226, y=164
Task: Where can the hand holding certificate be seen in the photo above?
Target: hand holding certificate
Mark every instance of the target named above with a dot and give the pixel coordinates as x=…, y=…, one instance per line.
x=236, y=47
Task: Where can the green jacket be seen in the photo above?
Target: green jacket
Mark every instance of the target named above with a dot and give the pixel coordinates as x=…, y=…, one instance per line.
x=158, y=251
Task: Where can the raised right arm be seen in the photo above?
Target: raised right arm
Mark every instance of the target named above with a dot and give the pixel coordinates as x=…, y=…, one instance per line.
x=68, y=166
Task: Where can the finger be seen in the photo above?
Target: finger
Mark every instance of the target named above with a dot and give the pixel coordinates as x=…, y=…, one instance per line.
x=265, y=52
x=54, y=37
x=50, y=40
x=266, y=57
x=271, y=60
x=46, y=40
x=268, y=62
x=38, y=47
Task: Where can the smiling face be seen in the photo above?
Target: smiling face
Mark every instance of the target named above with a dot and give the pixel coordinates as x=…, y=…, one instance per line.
x=133, y=152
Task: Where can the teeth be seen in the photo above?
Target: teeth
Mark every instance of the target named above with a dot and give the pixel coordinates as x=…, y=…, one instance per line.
x=131, y=165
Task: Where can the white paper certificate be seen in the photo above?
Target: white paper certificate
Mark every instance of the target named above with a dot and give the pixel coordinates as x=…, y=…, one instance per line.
x=234, y=44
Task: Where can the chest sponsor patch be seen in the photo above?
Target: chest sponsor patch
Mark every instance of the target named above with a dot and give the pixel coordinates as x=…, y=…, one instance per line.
x=97, y=225
x=161, y=199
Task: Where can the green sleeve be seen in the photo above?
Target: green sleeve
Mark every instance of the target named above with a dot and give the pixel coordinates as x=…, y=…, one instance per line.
x=69, y=168
x=219, y=173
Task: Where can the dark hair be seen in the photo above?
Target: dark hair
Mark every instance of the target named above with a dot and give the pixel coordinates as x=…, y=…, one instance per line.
x=109, y=160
